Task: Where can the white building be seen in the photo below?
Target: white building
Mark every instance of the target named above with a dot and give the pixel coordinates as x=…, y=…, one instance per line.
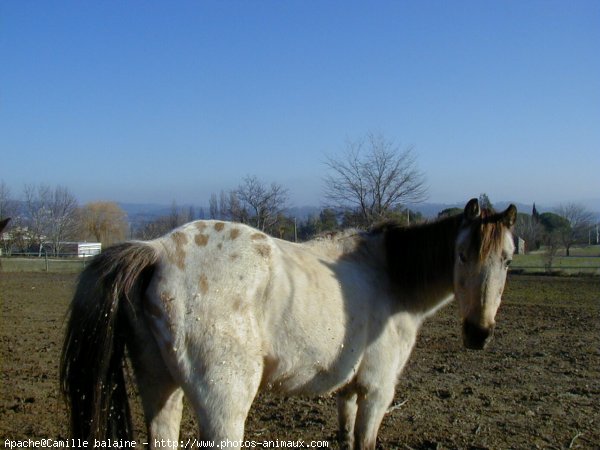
x=81, y=249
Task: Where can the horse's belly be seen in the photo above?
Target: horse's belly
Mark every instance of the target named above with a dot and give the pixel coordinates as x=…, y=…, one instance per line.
x=311, y=379
x=314, y=326
x=313, y=364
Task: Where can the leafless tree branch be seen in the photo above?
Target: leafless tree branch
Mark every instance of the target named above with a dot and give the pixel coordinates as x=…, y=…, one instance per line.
x=374, y=177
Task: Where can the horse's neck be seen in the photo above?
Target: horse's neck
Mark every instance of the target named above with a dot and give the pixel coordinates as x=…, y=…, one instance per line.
x=428, y=301
x=421, y=263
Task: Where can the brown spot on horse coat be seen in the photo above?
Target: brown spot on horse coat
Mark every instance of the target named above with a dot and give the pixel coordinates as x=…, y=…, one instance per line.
x=238, y=304
x=258, y=236
x=201, y=239
x=203, y=284
x=263, y=250
x=219, y=226
x=234, y=233
x=167, y=299
x=180, y=238
x=180, y=241
x=201, y=226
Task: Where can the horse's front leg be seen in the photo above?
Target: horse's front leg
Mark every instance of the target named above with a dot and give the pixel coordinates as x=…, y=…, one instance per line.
x=347, y=407
x=373, y=402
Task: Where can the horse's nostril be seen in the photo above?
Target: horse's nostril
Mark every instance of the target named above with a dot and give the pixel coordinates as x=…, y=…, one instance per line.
x=475, y=336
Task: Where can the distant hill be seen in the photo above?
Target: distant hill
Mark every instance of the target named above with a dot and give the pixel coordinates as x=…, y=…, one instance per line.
x=139, y=213
x=145, y=212
x=431, y=210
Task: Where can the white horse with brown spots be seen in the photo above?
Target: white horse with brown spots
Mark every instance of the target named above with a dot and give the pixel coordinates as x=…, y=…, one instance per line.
x=219, y=311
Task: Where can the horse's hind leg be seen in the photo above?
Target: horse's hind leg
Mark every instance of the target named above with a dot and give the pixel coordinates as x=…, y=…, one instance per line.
x=347, y=407
x=222, y=394
x=162, y=401
x=162, y=398
x=372, y=405
x=218, y=365
x=211, y=346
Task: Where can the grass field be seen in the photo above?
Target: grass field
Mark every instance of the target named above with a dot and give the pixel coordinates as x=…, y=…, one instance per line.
x=583, y=260
x=52, y=265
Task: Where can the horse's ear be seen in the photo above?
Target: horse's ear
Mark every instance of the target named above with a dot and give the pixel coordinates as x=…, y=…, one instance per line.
x=509, y=217
x=3, y=223
x=472, y=210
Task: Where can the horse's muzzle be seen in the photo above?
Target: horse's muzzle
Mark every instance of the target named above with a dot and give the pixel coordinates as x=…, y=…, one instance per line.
x=476, y=337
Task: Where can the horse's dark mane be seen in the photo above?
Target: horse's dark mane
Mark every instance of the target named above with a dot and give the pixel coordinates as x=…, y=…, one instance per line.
x=422, y=254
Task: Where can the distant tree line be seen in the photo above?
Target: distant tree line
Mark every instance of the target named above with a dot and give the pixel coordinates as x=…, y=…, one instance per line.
x=48, y=217
x=252, y=202
x=568, y=225
x=372, y=180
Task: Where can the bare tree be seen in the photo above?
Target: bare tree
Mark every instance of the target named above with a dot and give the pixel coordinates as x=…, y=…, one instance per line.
x=374, y=177
x=37, y=213
x=233, y=209
x=551, y=244
x=105, y=222
x=530, y=229
x=8, y=210
x=223, y=205
x=262, y=204
x=51, y=215
x=213, y=206
x=164, y=224
x=580, y=220
x=178, y=216
x=8, y=206
x=485, y=202
x=153, y=229
x=63, y=217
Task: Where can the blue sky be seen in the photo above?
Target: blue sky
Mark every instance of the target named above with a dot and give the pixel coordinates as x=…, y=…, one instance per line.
x=159, y=101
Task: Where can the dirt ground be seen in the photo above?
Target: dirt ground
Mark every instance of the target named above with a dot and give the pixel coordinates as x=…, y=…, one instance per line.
x=538, y=386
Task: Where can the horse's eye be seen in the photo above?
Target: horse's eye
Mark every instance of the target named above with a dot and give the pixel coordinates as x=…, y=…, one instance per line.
x=507, y=263
x=462, y=258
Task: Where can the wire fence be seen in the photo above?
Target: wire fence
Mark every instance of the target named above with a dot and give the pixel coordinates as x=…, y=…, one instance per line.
x=558, y=270
x=44, y=263
x=72, y=263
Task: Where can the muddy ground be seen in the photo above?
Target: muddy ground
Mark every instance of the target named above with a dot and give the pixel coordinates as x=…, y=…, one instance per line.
x=538, y=386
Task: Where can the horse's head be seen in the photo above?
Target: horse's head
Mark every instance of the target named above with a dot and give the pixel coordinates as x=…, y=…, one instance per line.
x=484, y=249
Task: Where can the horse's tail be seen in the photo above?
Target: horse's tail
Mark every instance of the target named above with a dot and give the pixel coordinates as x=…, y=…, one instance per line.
x=92, y=371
